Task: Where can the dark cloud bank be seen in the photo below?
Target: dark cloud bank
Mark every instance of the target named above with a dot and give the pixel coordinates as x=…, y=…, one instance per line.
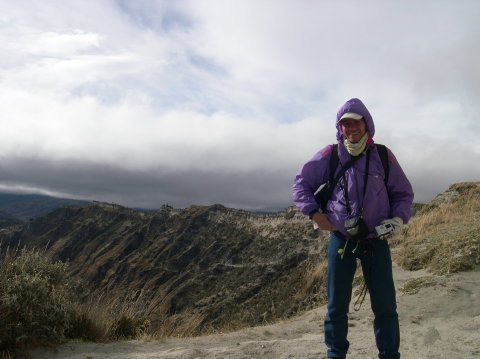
x=253, y=190
x=151, y=189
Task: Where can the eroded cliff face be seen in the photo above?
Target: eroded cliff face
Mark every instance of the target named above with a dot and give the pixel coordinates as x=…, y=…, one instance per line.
x=197, y=268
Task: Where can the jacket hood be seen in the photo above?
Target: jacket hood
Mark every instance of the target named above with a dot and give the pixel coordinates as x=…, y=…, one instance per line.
x=357, y=106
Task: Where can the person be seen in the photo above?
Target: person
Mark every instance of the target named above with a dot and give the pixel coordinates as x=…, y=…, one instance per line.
x=366, y=197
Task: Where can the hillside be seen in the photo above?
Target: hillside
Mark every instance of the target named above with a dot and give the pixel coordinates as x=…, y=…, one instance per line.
x=7, y=220
x=25, y=206
x=189, y=271
x=444, y=236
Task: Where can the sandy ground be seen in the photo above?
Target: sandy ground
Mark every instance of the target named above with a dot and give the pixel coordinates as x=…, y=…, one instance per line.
x=440, y=321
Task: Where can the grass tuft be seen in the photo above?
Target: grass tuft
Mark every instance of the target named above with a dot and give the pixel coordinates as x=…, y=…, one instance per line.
x=413, y=286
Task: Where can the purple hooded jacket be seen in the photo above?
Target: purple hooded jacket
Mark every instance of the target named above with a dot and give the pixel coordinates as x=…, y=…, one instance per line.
x=380, y=201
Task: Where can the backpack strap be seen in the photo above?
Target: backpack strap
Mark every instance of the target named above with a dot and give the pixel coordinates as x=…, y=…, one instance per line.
x=333, y=162
x=383, y=153
x=323, y=193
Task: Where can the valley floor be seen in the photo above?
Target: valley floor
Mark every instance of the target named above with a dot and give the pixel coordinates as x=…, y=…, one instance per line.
x=440, y=321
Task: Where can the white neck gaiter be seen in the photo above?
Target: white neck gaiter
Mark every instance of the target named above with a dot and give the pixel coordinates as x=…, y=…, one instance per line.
x=356, y=148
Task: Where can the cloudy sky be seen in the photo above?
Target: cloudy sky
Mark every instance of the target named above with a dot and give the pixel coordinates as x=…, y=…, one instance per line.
x=148, y=102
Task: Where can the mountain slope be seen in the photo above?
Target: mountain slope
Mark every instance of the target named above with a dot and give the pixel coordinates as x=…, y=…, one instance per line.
x=187, y=270
x=25, y=206
x=7, y=220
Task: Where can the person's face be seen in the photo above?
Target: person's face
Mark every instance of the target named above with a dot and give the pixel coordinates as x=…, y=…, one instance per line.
x=353, y=130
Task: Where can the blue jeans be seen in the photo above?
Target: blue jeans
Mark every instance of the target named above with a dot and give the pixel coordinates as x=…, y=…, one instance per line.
x=377, y=270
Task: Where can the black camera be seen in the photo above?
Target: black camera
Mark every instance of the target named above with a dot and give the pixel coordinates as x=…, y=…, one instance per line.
x=356, y=228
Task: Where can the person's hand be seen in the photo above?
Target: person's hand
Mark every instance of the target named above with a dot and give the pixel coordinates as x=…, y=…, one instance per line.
x=396, y=222
x=322, y=221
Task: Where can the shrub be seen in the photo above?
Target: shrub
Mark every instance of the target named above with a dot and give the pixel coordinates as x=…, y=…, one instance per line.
x=36, y=301
x=128, y=327
x=85, y=326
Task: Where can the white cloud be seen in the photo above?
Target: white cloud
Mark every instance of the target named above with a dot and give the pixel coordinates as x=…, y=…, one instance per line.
x=232, y=89
x=134, y=136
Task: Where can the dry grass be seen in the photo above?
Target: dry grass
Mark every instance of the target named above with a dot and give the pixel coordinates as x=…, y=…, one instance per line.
x=110, y=318
x=316, y=280
x=444, y=238
x=114, y=318
x=177, y=326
